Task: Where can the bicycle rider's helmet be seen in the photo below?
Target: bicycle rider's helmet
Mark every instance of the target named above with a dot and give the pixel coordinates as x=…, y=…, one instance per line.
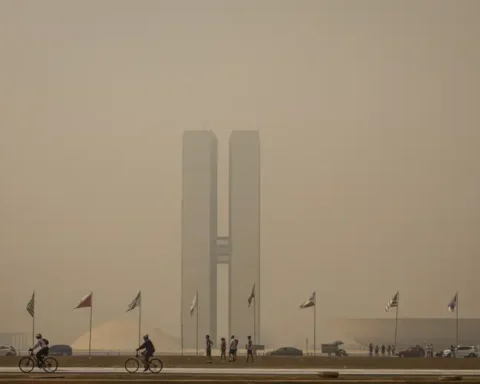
x=145, y=337
x=38, y=336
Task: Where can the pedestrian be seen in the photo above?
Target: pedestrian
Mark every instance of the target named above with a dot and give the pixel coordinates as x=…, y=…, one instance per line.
x=223, y=349
x=208, y=347
x=235, y=349
x=383, y=350
x=389, y=350
x=376, y=350
x=393, y=349
x=249, y=348
x=231, y=355
x=370, y=349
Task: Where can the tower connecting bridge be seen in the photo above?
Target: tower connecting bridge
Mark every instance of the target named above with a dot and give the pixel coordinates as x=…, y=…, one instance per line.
x=202, y=247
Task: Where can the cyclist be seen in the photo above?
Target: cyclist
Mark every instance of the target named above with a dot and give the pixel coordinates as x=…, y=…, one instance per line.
x=43, y=351
x=148, y=350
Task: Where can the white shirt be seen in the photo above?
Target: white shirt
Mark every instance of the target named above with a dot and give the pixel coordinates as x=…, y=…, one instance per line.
x=40, y=344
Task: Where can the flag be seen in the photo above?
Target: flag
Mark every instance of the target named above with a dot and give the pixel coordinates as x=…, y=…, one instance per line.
x=252, y=296
x=136, y=302
x=31, y=305
x=453, y=303
x=310, y=302
x=194, y=304
x=86, y=301
x=392, y=303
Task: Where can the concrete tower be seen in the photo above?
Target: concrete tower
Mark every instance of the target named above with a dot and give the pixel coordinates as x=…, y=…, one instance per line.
x=203, y=249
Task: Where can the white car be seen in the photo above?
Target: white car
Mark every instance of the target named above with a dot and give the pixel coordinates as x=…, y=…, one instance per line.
x=7, y=350
x=466, y=351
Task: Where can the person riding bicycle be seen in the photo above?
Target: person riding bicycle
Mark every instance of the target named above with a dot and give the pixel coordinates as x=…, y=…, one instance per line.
x=43, y=351
x=148, y=350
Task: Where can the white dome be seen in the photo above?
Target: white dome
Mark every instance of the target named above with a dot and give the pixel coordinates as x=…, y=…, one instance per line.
x=122, y=335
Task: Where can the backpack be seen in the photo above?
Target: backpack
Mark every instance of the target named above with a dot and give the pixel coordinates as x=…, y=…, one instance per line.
x=46, y=341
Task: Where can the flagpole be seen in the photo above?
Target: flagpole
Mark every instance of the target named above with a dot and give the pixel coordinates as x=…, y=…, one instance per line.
x=140, y=320
x=90, y=337
x=181, y=337
x=314, y=326
x=396, y=322
x=254, y=321
x=457, y=321
x=197, y=323
x=33, y=320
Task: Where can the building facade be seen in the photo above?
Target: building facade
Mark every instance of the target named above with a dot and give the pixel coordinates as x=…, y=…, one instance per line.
x=203, y=249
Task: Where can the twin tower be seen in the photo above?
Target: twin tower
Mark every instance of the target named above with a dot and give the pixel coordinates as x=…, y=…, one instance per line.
x=203, y=249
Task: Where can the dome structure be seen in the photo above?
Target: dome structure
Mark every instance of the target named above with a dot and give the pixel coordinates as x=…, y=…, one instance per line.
x=121, y=334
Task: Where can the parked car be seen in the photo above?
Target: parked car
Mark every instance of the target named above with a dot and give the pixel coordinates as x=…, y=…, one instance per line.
x=444, y=353
x=466, y=351
x=416, y=351
x=287, y=351
x=60, y=350
x=7, y=350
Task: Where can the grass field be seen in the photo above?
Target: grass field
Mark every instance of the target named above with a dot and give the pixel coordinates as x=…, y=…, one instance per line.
x=269, y=362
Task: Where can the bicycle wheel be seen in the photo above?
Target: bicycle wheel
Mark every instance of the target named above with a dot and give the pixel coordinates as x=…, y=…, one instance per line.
x=50, y=365
x=26, y=364
x=132, y=365
x=156, y=365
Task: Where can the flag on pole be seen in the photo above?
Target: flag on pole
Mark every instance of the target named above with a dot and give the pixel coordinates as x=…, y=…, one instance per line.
x=31, y=305
x=252, y=296
x=194, y=304
x=136, y=302
x=86, y=301
x=453, y=303
x=392, y=303
x=310, y=302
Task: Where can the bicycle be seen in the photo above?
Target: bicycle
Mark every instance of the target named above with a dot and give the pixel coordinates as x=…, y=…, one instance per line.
x=132, y=364
x=28, y=363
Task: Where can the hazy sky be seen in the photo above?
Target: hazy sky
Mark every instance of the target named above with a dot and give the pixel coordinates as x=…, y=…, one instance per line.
x=370, y=130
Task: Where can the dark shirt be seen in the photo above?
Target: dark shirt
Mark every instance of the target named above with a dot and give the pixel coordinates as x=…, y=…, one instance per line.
x=148, y=346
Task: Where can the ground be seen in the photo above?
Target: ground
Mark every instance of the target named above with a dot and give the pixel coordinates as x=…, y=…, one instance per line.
x=261, y=362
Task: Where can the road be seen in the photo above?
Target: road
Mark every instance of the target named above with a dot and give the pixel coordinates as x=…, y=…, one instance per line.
x=270, y=372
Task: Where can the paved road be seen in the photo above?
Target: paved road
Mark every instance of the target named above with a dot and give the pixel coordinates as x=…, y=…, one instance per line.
x=263, y=371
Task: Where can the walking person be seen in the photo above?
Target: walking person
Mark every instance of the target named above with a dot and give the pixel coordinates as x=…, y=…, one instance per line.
x=389, y=350
x=383, y=350
x=249, y=349
x=376, y=350
x=208, y=348
x=223, y=349
x=370, y=349
x=235, y=350
x=231, y=351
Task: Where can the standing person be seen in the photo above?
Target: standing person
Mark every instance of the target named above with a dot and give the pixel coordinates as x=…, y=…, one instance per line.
x=393, y=350
x=432, y=352
x=389, y=350
x=249, y=348
x=223, y=349
x=208, y=347
x=231, y=355
x=370, y=349
x=236, y=349
x=383, y=349
x=376, y=350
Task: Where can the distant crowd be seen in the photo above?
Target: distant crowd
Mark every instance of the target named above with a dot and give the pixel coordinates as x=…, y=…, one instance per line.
x=389, y=350
x=232, y=351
